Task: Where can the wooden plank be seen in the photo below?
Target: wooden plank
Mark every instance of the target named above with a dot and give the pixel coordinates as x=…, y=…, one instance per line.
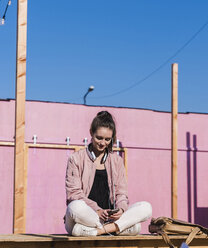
x=54, y=146
x=59, y=241
x=3, y=143
x=174, y=140
x=59, y=237
x=59, y=146
x=18, y=222
x=126, y=160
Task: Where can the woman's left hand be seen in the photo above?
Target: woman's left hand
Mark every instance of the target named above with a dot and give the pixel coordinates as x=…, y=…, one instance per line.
x=117, y=215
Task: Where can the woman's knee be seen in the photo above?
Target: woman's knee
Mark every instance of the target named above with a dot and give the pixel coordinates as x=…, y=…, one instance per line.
x=148, y=208
x=145, y=206
x=80, y=212
x=75, y=206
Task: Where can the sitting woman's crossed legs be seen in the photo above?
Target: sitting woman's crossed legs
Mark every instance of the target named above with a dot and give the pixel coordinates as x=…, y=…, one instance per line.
x=80, y=215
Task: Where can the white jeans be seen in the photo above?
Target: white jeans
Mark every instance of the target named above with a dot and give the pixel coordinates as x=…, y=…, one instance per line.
x=79, y=212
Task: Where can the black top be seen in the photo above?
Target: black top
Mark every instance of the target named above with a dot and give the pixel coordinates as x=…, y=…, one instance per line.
x=100, y=190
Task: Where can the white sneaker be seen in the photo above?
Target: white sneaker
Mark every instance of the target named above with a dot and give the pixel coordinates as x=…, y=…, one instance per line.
x=83, y=231
x=131, y=231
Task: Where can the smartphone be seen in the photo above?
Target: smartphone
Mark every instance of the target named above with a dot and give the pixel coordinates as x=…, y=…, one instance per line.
x=113, y=211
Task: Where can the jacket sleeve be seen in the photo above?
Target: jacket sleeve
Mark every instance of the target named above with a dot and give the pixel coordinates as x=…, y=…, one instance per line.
x=74, y=185
x=121, y=190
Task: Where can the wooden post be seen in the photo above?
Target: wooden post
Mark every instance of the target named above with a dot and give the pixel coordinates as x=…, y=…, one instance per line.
x=174, y=140
x=126, y=161
x=19, y=160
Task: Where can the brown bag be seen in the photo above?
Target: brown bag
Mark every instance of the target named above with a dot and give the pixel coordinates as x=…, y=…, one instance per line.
x=165, y=226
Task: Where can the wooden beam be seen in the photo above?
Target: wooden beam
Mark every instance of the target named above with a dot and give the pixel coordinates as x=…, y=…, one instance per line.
x=174, y=140
x=62, y=241
x=19, y=175
x=126, y=160
x=58, y=146
x=7, y=143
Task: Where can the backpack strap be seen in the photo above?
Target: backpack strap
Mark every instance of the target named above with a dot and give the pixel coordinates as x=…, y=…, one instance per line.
x=166, y=239
x=192, y=235
x=188, y=240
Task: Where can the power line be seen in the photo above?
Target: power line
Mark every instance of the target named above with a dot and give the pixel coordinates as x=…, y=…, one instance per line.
x=160, y=66
x=5, y=11
x=9, y=3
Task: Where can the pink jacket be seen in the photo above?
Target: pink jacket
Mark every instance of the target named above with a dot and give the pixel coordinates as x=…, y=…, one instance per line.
x=80, y=176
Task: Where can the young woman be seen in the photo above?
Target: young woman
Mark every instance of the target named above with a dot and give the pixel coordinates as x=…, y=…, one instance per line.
x=96, y=188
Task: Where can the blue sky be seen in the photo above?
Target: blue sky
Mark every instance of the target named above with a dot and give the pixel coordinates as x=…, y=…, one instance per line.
x=111, y=45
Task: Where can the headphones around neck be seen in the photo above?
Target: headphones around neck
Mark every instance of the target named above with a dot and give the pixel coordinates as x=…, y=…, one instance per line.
x=92, y=156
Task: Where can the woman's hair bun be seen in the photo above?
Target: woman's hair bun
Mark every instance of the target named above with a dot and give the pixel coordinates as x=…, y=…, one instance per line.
x=104, y=114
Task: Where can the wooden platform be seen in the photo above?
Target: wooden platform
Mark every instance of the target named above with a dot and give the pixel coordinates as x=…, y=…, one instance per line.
x=62, y=241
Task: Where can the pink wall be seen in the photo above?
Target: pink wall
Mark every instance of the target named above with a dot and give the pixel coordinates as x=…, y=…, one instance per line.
x=145, y=133
x=7, y=120
x=45, y=193
x=6, y=188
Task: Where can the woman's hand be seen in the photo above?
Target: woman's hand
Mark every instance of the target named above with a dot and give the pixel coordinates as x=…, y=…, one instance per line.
x=117, y=215
x=103, y=214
